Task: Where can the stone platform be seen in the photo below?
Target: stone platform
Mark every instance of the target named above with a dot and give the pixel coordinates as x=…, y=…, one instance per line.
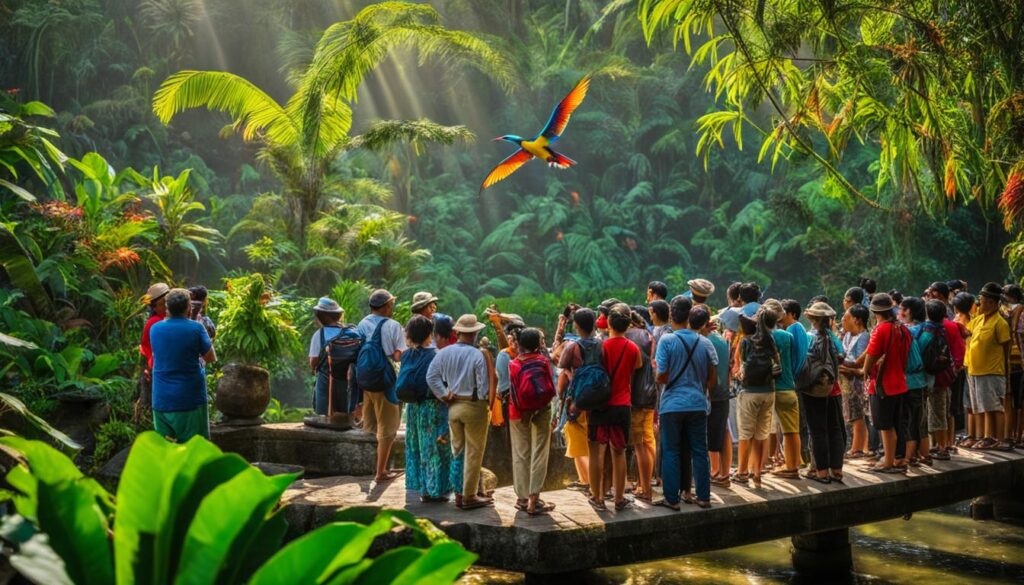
x=575, y=537
x=318, y=451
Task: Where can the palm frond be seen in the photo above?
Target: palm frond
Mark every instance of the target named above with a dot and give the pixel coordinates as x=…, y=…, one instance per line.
x=250, y=107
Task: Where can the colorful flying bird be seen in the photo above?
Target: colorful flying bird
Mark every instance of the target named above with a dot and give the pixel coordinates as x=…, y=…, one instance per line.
x=540, y=146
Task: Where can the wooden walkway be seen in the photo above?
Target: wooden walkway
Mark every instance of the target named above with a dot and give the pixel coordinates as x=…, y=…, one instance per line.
x=575, y=537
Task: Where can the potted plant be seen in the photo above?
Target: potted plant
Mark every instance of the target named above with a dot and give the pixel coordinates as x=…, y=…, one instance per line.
x=253, y=337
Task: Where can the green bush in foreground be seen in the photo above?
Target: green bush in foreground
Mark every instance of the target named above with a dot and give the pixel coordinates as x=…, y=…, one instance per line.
x=193, y=514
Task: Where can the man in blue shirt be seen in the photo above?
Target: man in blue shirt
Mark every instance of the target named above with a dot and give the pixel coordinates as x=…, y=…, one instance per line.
x=687, y=366
x=787, y=402
x=179, y=383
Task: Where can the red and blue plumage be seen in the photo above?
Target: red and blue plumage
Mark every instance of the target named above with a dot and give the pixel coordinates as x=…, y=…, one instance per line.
x=540, y=146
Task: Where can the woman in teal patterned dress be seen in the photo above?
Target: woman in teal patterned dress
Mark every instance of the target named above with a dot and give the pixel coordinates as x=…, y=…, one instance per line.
x=429, y=466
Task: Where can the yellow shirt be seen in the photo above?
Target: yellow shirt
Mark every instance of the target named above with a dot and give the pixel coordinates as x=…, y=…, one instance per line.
x=985, y=345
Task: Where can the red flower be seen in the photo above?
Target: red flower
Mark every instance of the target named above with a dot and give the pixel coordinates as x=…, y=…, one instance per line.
x=123, y=258
x=1011, y=202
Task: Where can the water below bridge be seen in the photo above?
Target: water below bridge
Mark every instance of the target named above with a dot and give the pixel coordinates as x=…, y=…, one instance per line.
x=935, y=547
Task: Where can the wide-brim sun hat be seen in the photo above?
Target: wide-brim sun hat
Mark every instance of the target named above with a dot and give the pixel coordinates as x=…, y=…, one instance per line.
x=468, y=324
x=820, y=309
x=326, y=305
x=881, y=303
x=421, y=300
x=156, y=292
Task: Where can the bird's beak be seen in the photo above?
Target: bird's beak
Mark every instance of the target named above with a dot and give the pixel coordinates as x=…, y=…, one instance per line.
x=498, y=139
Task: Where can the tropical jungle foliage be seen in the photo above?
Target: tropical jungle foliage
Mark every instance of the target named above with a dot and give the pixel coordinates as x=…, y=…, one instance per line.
x=192, y=514
x=329, y=147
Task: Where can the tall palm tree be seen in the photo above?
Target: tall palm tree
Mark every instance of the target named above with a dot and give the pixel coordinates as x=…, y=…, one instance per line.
x=303, y=138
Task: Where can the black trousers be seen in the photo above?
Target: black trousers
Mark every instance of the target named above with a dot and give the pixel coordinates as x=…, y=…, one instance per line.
x=828, y=432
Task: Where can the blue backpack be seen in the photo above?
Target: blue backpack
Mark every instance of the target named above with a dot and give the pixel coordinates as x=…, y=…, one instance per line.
x=411, y=385
x=374, y=372
x=591, y=387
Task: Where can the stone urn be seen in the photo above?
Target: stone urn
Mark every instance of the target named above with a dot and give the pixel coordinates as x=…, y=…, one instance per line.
x=243, y=393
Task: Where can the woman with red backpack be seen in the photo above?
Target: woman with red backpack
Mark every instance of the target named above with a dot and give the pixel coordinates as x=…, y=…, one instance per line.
x=529, y=413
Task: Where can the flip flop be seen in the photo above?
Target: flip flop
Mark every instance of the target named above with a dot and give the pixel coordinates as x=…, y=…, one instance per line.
x=787, y=474
x=597, y=505
x=665, y=504
x=814, y=477
x=623, y=504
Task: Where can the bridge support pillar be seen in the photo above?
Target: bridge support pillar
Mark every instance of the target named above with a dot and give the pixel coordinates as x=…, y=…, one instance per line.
x=1001, y=507
x=819, y=555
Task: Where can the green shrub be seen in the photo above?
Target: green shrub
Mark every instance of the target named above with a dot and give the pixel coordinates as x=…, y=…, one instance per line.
x=251, y=331
x=111, y=438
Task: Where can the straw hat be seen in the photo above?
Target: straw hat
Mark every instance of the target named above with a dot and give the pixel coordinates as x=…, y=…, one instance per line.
x=468, y=324
x=820, y=309
x=701, y=287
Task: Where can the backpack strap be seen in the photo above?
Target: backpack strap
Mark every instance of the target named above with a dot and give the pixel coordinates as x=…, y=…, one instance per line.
x=689, y=358
x=622, y=354
x=376, y=333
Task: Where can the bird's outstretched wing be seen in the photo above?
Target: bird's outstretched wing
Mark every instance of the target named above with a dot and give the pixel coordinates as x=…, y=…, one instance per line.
x=506, y=167
x=560, y=115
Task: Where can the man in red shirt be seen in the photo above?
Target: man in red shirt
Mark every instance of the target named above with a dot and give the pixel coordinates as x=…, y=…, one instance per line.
x=885, y=365
x=608, y=428
x=157, y=311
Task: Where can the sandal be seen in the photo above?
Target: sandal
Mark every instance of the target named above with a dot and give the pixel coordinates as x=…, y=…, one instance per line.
x=623, y=504
x=984, y=444
x=476, y=503
x=597, y=505
x=856, y=455
x=688, y=499
x=926, y=461
x=815, y=477
x=703, y=504
x=666, y=504
x=721, y=482
x=757, y=482
x=888, y=470
x=787, y=474
x=522, y=505
x=389, y=476
x=836, y=477
x=741, y=477
x=433, y=499
x=1003, y=446
x=643, y=497
x=577, y=486
x=941, y=456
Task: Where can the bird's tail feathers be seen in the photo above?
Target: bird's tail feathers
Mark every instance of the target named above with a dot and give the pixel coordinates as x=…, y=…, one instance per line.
x=560, y=160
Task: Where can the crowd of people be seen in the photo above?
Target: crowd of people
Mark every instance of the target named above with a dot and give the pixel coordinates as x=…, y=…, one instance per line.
x=657, y=393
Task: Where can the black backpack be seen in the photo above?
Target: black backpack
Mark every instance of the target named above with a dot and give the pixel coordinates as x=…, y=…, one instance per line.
x=758, y=363
x=821, y=367
x=643, y=386
x=340, y=352
x=936, y=356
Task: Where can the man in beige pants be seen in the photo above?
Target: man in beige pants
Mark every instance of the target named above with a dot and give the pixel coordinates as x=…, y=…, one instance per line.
x=529, y=414
x=458, y=376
